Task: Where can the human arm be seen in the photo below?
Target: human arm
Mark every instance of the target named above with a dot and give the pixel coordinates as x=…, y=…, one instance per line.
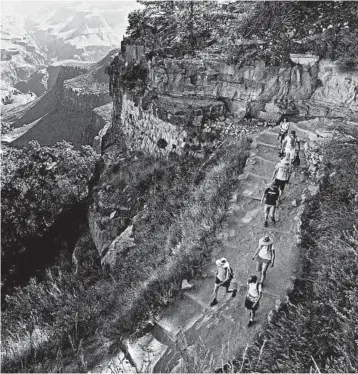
x=273, y=257
x=256, y=253
x=259, y=290
x=263, y=196
x=274, y=173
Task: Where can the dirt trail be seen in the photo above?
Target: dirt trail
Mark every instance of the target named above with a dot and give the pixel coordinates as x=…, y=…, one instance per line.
x=190, y=324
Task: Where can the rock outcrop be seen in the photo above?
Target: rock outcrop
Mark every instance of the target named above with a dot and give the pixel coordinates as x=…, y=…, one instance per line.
x=182, y=96
x=65, y=111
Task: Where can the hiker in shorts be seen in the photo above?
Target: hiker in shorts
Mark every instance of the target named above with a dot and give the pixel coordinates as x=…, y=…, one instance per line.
x=281, y=175
x=291, y=146
x=270, y=197
x=253, y=296
x=224, y=275
x=264, y=255
x=284, y=127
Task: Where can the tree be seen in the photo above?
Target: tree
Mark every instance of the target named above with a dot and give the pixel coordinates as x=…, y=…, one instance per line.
x=38, y=184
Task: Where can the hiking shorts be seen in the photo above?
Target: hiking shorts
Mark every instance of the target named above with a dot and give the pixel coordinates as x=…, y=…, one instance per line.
x=280, y=184
x=226, y=284
x=249, y=304
x=282, y=135
x=260, y=261
x=271, y=209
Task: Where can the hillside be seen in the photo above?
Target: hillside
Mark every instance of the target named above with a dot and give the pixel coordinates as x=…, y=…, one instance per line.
x=185, y=119
x=34, y=35
x=65, y=110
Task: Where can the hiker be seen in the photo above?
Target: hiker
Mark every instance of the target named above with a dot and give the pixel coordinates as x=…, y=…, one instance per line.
x=270, y=196
x=281, y=174
x=291, y=146
x=284, y=127
x=224, y=275
x=253, y=296
x=265, y=255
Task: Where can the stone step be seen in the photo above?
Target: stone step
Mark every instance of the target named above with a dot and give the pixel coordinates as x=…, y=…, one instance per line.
x=267, y=138
x=261, y=168
x=270, y=153
x=180, y=319
x=272, y=227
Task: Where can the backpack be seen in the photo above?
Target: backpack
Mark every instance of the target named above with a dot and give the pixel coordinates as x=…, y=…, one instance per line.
x=231, y=273
x=296, y=161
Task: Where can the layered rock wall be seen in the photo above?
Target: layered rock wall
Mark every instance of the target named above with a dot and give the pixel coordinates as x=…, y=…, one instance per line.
x=183, y=95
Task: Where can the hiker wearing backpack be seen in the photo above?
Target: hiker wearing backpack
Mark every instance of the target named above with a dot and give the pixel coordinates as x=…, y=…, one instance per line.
x=281, y=175
x=284, y=127
x=264, y=255
x=270, y=196
x=224, y=275
x=291, y=146
x=253, y=296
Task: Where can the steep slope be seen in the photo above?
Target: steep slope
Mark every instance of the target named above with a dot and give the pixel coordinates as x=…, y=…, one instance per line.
x=35, y=34
x=64, y=112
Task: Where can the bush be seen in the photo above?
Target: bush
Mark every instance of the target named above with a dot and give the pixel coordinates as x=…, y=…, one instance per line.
x=39, y=184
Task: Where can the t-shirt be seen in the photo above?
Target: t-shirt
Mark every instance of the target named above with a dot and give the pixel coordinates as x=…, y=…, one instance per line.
x=272, y=195
x=291, y=143
x=284, y=127
x=282, y=171
x=266, y=252
x=222, y=273
x=253, y=291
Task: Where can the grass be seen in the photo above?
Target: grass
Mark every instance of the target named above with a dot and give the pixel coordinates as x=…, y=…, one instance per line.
x=317, y=330
x=174, y=235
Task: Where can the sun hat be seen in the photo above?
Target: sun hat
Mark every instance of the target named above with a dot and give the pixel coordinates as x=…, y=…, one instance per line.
x=222, y=263
x=265, y=240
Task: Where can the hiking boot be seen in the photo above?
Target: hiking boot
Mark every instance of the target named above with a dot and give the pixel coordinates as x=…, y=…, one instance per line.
x=234, y=293
x=214, y=302
x=273, y=219
x=251, y=322
x=266, y=224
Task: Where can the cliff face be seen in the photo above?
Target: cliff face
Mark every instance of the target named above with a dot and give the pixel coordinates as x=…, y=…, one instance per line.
x=65, y=111
x=182, y=95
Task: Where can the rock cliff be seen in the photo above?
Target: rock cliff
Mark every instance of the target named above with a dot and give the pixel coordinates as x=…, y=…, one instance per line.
x=65, y=111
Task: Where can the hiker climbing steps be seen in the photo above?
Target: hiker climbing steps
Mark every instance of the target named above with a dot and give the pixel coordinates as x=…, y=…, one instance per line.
x=222, y=329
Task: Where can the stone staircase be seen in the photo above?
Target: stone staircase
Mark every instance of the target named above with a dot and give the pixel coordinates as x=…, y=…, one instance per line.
x=190, y=325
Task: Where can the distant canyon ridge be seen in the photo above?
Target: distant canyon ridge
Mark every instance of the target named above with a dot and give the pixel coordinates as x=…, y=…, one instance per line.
x=36, y=35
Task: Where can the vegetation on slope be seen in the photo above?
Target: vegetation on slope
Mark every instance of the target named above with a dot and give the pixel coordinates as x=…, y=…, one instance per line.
x=318, y=328
x=173, y=234
x=248, y=31
x=38, y=185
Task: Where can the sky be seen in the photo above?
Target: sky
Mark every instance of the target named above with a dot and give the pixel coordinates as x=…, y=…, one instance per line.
x=27, y=6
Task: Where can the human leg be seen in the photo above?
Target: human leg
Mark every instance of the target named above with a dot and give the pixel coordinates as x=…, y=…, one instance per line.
x=216, y=289
x=272, y=213
x=263, y=272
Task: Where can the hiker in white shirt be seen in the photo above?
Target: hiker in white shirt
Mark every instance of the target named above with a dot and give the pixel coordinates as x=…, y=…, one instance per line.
x=264, y=255
x=224, y=275
x=284, y=127
x=291, y=146
x=281, y=174
x=253, y=296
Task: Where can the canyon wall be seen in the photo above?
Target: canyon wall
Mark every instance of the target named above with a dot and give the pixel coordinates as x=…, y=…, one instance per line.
x=183, y=95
